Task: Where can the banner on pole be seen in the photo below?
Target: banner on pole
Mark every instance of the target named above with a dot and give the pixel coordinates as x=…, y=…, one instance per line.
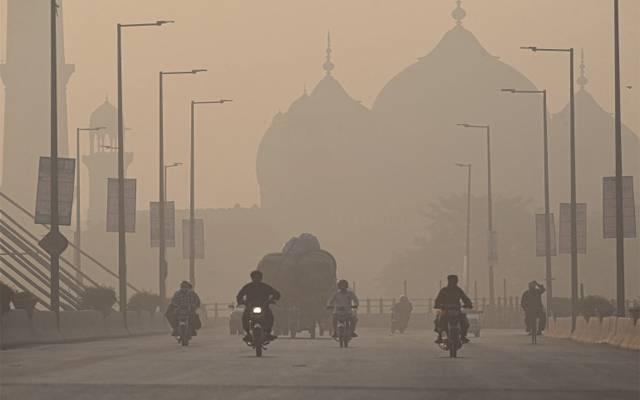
x=565, y=228
x=169, y=223
x=129, y=205
x=609, y=207
x=66, y=184
x=541, y=233
x=198, y=233
x=493, y=247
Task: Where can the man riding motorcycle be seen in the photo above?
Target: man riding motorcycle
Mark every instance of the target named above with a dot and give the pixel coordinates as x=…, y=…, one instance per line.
x=531, y=303
x=185, y=298
x=257, y=293
x=344, y=298
x=401, y=312
x=449, y=297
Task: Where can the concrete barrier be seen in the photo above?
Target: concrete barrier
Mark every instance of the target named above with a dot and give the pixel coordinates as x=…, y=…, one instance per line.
x=634, y=344
x=16, y=328
x=608, y=330
x=623, y=327
x=580, y=330
x=593, y=330
x=45, y=325
x=114, y=325
x=562, y=328
x=81, y=325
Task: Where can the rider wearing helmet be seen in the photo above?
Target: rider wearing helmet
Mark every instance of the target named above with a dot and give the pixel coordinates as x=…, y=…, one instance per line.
x=344, y=298
x=257, y=293
x=531, y=303
x=451, y=296
x=185, y=298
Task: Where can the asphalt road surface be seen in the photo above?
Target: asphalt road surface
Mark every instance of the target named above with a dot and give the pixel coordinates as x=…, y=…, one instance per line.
x=499, y=365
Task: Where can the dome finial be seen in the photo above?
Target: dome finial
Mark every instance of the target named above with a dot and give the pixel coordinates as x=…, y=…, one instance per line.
x=459, y=13
x=582, y=79
x=328, y=66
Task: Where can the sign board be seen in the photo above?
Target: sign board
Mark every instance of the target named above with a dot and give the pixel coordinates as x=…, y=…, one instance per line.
x=541, y=233
x=565, y=227
x=609, y=207
x=198, y=233
x=169, y=223
x=129, y=205
x=66, y=180
x=493, y=247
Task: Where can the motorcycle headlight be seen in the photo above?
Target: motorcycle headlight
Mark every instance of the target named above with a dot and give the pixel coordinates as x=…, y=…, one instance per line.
x=257, y=310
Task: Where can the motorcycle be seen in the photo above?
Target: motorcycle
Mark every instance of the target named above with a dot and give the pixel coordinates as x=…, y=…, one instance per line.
x=399, y=322
x=184, y=326
x=452, y=335
x=344, y=327
x=258, y=332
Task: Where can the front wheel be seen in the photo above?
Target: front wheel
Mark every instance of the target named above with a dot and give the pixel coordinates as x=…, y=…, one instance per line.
x=184, y=337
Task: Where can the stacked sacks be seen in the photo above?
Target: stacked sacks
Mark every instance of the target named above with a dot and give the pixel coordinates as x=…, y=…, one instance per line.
x=305, y=275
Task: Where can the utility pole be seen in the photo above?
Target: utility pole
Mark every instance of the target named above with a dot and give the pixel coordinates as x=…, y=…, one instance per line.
x=468, y=238
x=620, y=292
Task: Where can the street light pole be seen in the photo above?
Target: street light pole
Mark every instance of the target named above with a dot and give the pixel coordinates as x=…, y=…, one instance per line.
x=166, y=182
x=77, y=257
x=547, y=212
x=162, y=260
x=572, y=161
x=122, y=253
x=492, y=235
x=192, y=185
x=468, y=239
x=620, y=292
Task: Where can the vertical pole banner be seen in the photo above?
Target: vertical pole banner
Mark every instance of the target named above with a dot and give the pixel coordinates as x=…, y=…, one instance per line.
x=541, y=235
x=609, y=207
x=565, y=228
x=66, y=184
x=169, y=223
x=198, y=228
x=129, y=205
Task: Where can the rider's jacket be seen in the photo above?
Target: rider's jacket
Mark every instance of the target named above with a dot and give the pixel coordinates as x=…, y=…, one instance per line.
x=254, y=293
x=185, y=298
x=532, y=299
x=343, y=299
x=402, y=308
x=452, y=296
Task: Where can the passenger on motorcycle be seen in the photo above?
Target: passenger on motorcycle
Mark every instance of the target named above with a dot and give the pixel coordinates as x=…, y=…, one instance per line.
x=344, y=298
x=401, y=312
x=532, y=305
x=257, y=293
x=451, y=296
x=186, y=299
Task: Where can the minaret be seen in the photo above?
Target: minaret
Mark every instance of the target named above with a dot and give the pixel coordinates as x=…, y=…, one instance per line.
x=26, y=77
x=328, y=65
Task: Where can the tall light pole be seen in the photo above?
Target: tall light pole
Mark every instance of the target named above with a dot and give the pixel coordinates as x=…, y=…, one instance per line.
x=468, y=239
x=77, y=257
x=492, y=235
x=620, y=292
x=572, y=161
x=122, y=241
x=166, y=182
x=162, y=259
x=547, y=213
x=192, y=188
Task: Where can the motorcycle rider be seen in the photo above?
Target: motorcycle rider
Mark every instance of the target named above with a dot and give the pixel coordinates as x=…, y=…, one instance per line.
x=531, y=303
x=401, y=312
x=185, y=298
x=257, y=293
x=346, y=299
x=451, y=296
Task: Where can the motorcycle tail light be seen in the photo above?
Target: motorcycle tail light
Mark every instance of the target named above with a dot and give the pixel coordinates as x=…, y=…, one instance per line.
x=257, y=310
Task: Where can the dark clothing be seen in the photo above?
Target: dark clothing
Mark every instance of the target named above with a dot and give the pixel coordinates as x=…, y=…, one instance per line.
x=442, y=321
x=257, y=293
x=268, y=320
x=402, y=308
x=535, y=313
x=452, y=296
x=532, y=299
x=172, y=317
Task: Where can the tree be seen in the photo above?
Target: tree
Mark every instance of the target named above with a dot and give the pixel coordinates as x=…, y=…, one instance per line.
x=99, y=298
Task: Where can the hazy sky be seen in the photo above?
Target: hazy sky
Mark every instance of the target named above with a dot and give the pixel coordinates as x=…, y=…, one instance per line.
x=262, y=53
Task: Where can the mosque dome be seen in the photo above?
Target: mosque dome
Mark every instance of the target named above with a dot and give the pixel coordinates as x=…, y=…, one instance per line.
x=105, y=115
x=306, y=156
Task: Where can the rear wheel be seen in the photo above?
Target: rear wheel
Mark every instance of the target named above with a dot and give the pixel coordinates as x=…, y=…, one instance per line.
x=184, y=336
x=454, y=341
x=257, y=341
x=534, y=331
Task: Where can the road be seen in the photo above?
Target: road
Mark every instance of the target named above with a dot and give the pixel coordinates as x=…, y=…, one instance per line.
x=499, y=365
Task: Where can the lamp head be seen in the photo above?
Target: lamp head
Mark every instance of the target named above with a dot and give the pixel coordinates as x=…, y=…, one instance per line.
x=222, y=101
x=508, y=90
x=195, y=71
x=532, y=48
x=463, y=125
x=164, y=22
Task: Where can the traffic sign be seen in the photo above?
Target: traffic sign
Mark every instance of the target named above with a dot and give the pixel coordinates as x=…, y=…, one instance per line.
x=54, y=243
x=66, y=178
x=609, y=207
x=129, y=205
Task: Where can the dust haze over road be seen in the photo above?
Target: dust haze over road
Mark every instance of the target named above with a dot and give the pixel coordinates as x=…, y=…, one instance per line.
x=499, y=365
